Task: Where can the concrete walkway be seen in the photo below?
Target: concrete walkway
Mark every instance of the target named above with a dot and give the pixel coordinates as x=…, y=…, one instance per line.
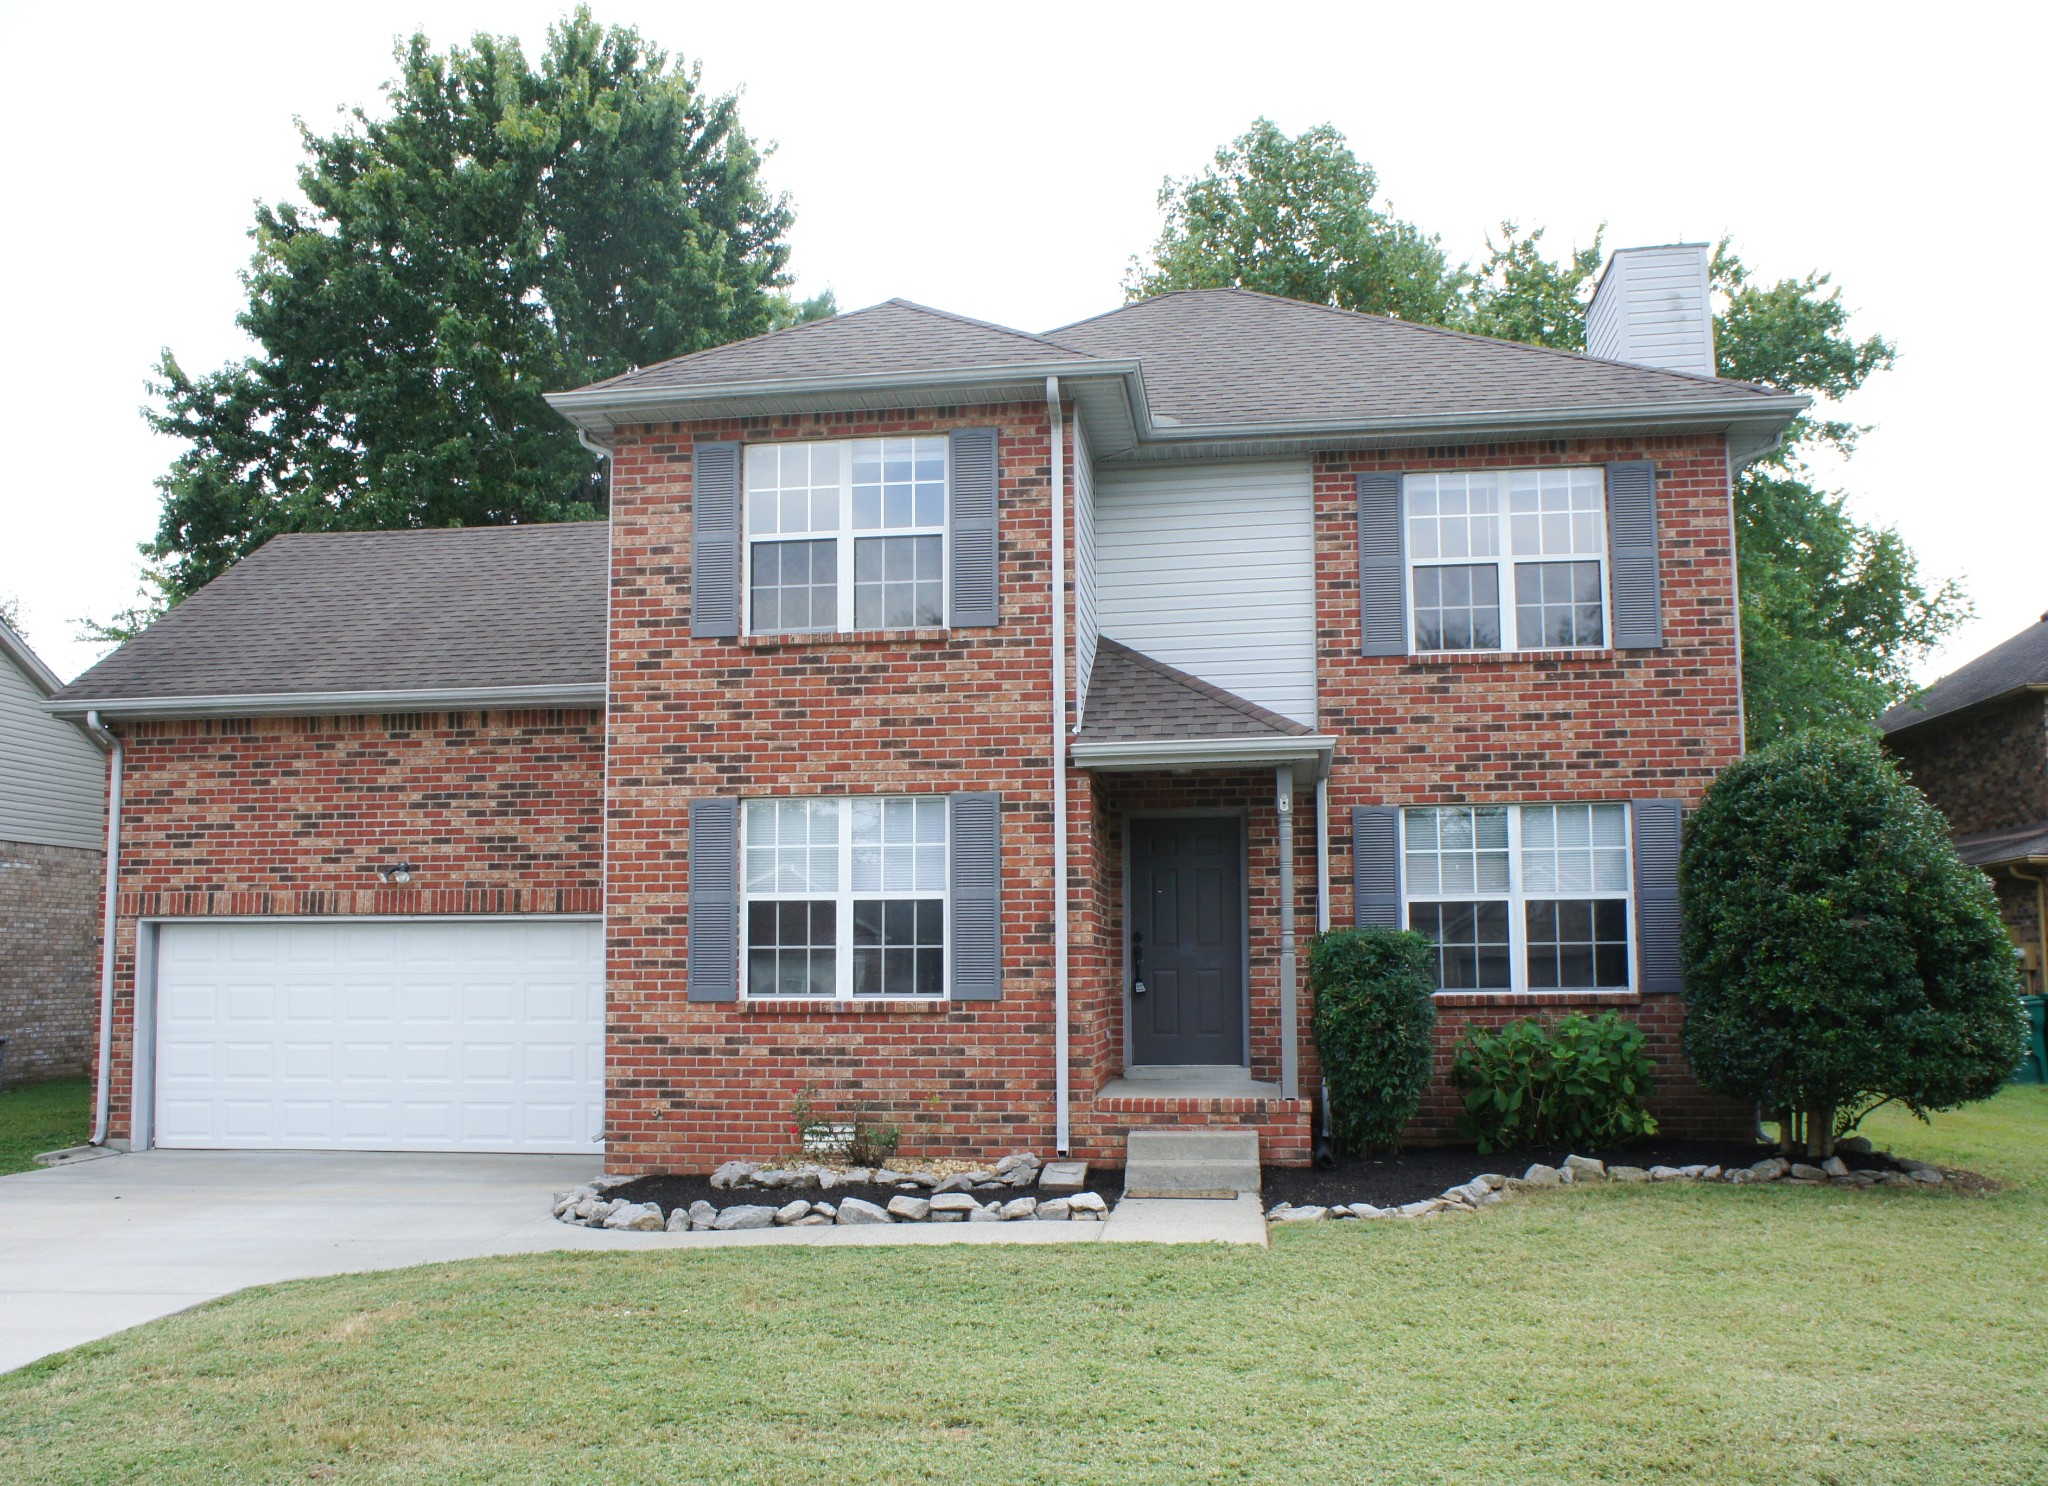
x=92, y=1249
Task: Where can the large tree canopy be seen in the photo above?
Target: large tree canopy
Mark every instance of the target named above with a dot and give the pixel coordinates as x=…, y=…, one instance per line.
x=1835, y=613
x=507, y=230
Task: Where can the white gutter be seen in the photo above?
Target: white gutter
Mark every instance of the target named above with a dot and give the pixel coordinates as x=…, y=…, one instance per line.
x=1314, y=749
x=104, y=1083
x=329, y=703
x=1062, y=1072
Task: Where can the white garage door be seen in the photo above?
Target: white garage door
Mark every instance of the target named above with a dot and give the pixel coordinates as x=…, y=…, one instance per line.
x=409, y=1035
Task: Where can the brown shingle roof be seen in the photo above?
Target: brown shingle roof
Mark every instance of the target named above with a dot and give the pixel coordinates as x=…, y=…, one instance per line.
x=2013, y=666
x=2013, y=844
x=1134, y=698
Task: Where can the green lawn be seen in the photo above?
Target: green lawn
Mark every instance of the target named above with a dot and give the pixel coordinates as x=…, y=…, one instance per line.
x=1624, y=1334
x=42, y=1117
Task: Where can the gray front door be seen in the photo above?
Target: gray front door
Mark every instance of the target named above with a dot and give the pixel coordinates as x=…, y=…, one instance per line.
x=1186, y=928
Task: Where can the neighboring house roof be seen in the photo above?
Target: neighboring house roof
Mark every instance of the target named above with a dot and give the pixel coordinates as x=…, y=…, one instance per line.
x=53, y=777
x=496, y=616
x=2027, y=843
x=2020, y=664
x=1202, y=372
x=1234, y=357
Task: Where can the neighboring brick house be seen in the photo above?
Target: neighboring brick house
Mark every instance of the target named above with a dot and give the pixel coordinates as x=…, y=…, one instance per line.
x=1976, y=742
x=980, y=724
x=53, y=801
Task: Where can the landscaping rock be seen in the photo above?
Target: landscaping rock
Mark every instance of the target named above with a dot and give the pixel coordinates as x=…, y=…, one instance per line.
x=1300, y=1214
x=825, y=1209
x=1627, y=1174
x=1801, y=1172
x=910, y=1209
x=1471, y=1192
x=789, y=1212
x=960, y=1183
x=1585, y=1168
x=565, y=1202
x=1710, y=1173
x=1087, y=1202
x=1493, y=1180
x=746, y=1215
x=989, y=1214
x=1855, y=1145
x=1835, y=1166
x=1018, y=1207
x=1770, y=1169
x=1417, y=1209
x=1016, y=1161
x=953, y=1202
x=1666, y=1174
x=1741, y=1175
x=1367, y=1210
x=732, y=1173
x=948, y=1217
x=889, y=1177
x=606, y=1183
x=1540, y=1175
x=1058, y=1210
x=1063, y=1176
x=702, y=1216
x=858, y=1176
x=679, y=1220
x=1694, y=1172
x=814, y=1220
x=1926, y=1174
x=635, y=1217
x=857, y=1210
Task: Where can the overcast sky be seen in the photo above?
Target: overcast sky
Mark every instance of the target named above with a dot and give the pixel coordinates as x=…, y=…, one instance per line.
x=1006, y=168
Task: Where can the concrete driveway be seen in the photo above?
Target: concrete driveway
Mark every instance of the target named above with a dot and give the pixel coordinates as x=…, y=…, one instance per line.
x=94, y=1248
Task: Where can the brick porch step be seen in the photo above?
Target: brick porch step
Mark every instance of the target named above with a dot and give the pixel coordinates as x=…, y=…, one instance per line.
x=1191, y=1163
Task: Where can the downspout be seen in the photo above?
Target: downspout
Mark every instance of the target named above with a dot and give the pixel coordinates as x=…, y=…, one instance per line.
x=104, y=1090
x=1061, y=1064
x=604, y=815
x=1290, y=1015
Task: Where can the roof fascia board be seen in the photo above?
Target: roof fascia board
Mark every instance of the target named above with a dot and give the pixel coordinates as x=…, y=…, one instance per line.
x=1751, y=410
x=1968, y=712
x=1145, y=753
x=39, y=675
x=332, y=703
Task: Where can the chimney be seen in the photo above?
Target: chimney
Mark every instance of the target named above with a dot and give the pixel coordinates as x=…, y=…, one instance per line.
x=1652, y=308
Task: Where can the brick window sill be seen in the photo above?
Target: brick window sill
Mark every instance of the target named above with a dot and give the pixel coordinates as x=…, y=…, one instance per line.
x=1538, y=998
x=861, y=639
x=795, y=1007
x=1453, y=658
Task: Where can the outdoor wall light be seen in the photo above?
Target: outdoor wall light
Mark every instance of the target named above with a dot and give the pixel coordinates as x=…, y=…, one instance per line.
x=401, y=873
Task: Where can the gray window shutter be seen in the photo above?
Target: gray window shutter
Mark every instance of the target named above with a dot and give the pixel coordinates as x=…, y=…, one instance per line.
x=973, y=528
x=1632, y=552
x=1656, y=825
x=1376, y=867
x=974, y=829
x=1382, y=576
x=714, y=899
x=715, y=541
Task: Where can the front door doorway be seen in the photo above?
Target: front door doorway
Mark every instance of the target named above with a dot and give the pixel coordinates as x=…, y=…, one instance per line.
x=1185, y=935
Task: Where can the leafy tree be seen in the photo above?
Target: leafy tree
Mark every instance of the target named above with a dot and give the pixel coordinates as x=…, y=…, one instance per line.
x=1295, y=217
x=1838, y=954
x=505, y=231
x=10, y=611
x=1835, y=613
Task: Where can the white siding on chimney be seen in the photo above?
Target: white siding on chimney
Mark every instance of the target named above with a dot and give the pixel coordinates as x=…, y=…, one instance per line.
x=1211, y=568
x=1085, y=622
x=1653, y=307
x=53, y=782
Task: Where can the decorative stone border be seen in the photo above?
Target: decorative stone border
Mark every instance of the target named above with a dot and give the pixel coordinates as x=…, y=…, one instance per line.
x=1490, y=1187
x=925, y=1196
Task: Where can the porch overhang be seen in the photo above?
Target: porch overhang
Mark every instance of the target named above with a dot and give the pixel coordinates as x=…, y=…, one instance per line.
x=1308, y=753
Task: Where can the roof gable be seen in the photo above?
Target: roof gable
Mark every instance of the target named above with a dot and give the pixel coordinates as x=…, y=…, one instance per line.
x=1134, y=698
x=893, y=337
x=2015, y=665
x=1240, y=358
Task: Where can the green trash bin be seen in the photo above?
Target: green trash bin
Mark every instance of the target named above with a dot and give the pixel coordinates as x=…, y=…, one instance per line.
x=2033, y=1067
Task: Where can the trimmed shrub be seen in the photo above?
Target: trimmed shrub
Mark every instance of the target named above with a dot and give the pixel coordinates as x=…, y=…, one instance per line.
x=1374, y=1011
x=1580, y=1081
x=1838, y=954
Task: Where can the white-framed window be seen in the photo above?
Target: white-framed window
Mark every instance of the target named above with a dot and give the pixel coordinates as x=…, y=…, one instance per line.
x=1521, y=897
x=844, y=898
x=846, y=535
x=1507, y=559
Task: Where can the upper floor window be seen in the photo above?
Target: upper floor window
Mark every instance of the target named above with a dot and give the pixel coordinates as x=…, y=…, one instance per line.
x=1521, y=898
x=1507, y=559
x=846, y=536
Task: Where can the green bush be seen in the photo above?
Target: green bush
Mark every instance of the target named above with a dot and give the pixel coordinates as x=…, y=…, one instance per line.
x=1374, y=1011
x=1578, y=1082
x=1838, y=954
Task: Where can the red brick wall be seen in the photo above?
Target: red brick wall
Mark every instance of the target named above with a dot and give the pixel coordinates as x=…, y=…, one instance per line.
x=692, y=1084
x=498, y=812
x=1611, y=725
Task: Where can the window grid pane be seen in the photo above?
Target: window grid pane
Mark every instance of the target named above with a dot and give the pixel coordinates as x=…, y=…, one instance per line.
x=1578, y=944
x=1556, y=513
x=899, y=483
x=899, y=946
x=792, y=948
x=1453, y=516
x=1557, y=605
x=1472, y=947
x=1457, y=849
x=1457, y=607
x=1574, y=848
x=795, y=586
x=898, y=582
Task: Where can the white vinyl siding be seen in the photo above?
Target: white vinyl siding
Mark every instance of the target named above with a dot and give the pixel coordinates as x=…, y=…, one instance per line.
x=1211, y=568
x=396, y=1035
x=1654, y=307
x=53, y=781
x=1086, y=620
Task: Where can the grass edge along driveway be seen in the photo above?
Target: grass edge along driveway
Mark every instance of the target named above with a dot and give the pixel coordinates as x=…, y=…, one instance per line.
x=40, y=1117
x=1670, y=1333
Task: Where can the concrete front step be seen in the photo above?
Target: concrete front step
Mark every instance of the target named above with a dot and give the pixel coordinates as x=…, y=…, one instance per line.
x=1191, y=1163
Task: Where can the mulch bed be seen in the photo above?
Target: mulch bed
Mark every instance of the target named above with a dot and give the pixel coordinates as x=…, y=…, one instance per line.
x=1411, y=1175
x=672, y=1192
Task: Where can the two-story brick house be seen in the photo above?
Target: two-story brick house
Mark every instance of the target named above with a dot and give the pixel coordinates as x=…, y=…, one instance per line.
x=965, y=724
x=1976, y=743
